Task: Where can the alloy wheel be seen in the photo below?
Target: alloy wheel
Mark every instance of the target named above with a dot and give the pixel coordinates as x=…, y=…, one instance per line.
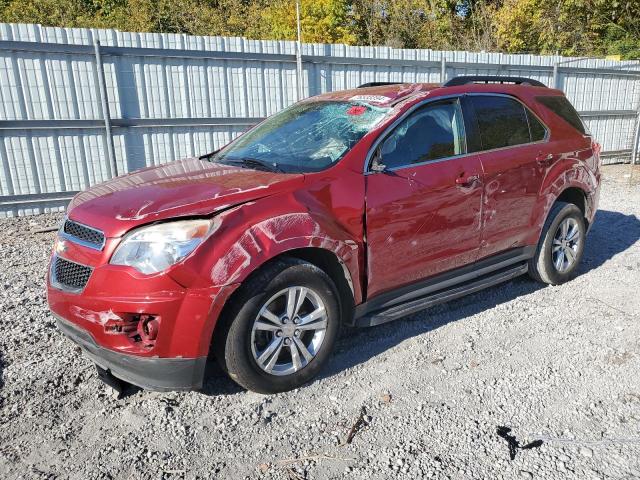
x=566, y=245
x=289, y=330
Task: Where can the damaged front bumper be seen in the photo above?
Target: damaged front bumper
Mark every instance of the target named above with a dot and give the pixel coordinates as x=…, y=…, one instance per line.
x=146, y=330
x=159, y=374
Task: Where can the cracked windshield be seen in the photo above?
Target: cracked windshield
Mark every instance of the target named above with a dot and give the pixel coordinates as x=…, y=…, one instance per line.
x=306, y=137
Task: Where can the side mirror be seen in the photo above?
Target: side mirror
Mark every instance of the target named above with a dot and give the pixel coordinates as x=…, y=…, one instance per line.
x=376, y=164
x=378, y=167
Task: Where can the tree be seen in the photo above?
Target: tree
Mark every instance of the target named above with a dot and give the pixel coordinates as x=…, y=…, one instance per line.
x=67, y=13
x=617, y=24
x=569, y=27
x=323, y=21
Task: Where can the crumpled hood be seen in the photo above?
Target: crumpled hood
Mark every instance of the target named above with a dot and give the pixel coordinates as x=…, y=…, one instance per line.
x=181, y=188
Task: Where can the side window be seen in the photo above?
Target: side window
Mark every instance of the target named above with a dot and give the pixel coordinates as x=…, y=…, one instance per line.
x=502, y=121
x=433, y=132
x=538, y=130
x=563, y=108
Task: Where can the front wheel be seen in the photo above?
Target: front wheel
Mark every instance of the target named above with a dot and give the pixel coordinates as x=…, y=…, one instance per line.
x=283, y=327
x=561, y=245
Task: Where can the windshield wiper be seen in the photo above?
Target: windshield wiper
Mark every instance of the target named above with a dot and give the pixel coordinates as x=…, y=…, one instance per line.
x=257, y=164
x=209, y=156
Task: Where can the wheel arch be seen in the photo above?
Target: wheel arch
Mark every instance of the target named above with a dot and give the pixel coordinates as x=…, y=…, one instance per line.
x=576, y=196
x=566, y=182
x=324, y=259
x=333, y=266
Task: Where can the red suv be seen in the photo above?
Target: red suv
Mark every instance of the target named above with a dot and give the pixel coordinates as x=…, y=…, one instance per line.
x=350, y=208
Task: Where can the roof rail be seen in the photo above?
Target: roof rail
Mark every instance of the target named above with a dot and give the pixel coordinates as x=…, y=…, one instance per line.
x=465, y=80
x=378, y=84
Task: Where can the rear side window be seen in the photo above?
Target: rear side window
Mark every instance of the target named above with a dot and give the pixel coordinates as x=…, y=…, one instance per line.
x=563, y=108
x=501, y=120
x=538, y=130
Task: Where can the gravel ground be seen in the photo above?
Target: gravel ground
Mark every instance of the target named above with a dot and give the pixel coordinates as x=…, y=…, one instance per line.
x=557, y=365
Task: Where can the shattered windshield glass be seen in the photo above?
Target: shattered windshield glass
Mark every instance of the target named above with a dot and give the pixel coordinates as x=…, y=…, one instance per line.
x=306, y=137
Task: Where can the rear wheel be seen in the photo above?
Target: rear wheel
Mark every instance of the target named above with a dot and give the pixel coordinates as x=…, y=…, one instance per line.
x=561, y=245
x=285, y=323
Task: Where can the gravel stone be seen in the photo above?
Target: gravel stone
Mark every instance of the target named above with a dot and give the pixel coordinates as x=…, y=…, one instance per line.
x=556, y=364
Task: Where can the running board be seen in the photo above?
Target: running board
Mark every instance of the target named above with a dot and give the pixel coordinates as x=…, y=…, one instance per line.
x=441, y=296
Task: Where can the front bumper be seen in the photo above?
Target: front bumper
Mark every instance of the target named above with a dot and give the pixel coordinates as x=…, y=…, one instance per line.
x=99, y=318
x=159, y=374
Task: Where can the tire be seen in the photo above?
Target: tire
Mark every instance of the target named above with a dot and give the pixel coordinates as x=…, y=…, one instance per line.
x=546, y=266
x=242, y=346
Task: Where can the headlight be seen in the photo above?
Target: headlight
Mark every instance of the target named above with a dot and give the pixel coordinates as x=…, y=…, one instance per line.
x=156, y=247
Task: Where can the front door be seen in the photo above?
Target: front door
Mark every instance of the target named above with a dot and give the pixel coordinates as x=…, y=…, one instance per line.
x=423, y=209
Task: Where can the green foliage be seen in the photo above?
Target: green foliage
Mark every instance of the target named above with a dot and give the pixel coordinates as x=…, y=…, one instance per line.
x=323, y=21
x=403, y=23
x=569, y=27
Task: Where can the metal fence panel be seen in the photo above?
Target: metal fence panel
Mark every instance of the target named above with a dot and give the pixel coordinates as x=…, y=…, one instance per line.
x=171, y=96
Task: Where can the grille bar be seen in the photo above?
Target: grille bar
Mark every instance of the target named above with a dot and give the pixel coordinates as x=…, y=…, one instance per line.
x=69, y=276
x=82, y=234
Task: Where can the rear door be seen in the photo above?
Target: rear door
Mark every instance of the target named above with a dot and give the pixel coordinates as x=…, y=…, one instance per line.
x=514, y=155
x=423, y=210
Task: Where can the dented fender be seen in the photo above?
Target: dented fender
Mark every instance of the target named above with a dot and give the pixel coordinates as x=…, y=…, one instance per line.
x=251, y=234
x=568, y=172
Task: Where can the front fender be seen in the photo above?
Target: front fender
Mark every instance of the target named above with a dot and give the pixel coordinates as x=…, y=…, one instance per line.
x=274, y=236
x=254, y=233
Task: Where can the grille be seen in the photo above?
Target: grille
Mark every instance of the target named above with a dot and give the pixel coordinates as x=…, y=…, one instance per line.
x=70, y=275
x=87, y=235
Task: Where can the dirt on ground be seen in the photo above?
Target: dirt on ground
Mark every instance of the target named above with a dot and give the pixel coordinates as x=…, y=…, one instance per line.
x=517, y=381
x=622, y=173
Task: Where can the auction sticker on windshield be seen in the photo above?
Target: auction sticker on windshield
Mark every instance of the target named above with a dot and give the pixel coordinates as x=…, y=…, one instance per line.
x=371, y=98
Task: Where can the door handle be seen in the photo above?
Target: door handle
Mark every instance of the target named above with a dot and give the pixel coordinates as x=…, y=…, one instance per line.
x=465, y=181
x=543, y=160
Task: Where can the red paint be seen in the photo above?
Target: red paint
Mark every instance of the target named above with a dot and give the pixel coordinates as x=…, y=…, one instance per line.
x=183, y=188
x=387, y=230
x=420, y=222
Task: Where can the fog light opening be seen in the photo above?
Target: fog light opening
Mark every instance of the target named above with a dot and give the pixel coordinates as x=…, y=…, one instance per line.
x=148, y=326
x=140, y=329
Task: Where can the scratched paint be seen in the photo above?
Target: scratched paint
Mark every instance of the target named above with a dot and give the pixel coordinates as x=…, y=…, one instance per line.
x=274, y=234
x=99, y=318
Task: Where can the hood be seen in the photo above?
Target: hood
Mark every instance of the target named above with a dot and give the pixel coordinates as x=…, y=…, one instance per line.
x=182, y=188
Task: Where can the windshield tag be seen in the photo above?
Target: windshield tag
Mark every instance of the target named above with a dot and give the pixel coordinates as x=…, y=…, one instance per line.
x=371, y=98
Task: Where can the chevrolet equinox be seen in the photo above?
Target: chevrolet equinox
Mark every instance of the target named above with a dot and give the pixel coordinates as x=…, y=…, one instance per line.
x=351, y=208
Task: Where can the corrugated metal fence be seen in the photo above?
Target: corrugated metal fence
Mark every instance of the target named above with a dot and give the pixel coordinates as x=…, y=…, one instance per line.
x=69, y=104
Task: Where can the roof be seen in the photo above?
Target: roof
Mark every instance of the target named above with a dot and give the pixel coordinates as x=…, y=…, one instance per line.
x=390, y=94
x=383, y=95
